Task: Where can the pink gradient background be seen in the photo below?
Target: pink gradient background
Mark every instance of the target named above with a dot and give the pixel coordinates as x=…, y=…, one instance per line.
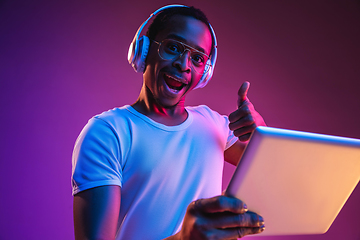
x=61, y=62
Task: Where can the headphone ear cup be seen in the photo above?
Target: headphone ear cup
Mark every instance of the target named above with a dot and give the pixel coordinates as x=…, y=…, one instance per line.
x=138, y=62
x=206, y=76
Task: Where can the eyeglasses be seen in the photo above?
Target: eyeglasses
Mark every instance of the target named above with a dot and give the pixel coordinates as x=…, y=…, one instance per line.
x=170, y=49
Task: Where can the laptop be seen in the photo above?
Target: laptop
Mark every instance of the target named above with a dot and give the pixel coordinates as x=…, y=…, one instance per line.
x=298, y=181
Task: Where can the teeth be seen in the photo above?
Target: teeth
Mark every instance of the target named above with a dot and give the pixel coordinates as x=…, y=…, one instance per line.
x=176, y=79
x=173, y=90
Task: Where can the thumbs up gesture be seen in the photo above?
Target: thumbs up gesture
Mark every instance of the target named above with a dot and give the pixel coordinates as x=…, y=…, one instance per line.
x=245, y=119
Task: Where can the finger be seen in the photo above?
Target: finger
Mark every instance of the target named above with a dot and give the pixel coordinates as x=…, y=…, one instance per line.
x=233, y=233
x=246, y=121
x=245, y=109
x=245, y=137
x=239, y=132
x=242, y=232
x=250, y=219
x=221, y=204
x=232, y=220
x=242, y=93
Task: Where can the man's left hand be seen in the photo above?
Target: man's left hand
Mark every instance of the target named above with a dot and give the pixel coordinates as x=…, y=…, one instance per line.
x=245, y=119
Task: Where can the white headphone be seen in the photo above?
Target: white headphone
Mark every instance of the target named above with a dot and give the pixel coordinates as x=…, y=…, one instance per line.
x=139, y=49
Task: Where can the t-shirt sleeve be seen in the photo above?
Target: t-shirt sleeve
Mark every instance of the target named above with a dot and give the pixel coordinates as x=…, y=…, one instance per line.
x=222, y=122
x=96, y=157
x=231, y=139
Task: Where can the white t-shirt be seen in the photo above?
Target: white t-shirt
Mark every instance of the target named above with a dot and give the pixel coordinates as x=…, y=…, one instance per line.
x=160, y=169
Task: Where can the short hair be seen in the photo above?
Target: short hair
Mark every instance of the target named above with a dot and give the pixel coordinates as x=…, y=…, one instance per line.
x=164, y=16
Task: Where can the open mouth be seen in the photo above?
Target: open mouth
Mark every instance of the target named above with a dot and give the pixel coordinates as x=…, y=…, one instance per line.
x=173, y=83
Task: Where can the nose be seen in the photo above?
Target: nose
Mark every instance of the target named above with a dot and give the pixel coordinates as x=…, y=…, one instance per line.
x=183, y=61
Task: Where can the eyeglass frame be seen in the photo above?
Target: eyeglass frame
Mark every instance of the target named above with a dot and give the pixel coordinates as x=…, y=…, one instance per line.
x=186, y=47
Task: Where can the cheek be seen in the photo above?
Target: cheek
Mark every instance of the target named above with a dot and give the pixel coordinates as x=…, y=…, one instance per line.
x=150, y=63
x=195, y=78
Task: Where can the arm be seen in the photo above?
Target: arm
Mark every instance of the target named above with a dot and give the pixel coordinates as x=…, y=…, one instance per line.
x=233, y=154
x=243, y=122
x=96, y=213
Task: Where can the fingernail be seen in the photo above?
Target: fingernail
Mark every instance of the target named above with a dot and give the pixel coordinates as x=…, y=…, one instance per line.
x=245, y=207
x=260, y=224
x=262, y=228
x=261, y=221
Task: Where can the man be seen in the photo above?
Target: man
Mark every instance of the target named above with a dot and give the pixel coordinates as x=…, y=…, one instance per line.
x=153, y=170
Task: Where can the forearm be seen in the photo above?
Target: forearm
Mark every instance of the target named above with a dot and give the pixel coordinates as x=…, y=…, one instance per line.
x=233, y=154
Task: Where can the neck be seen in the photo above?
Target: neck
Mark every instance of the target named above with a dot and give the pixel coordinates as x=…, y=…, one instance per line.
x=150, y=107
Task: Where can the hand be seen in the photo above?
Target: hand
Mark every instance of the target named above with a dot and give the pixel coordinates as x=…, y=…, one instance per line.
x=219, y=217
x=245, y=119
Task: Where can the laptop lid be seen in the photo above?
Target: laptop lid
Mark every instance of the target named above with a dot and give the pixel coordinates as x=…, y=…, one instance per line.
x=297, y=181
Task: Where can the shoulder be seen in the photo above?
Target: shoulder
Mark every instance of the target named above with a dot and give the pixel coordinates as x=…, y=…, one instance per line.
x=114, y=114
x=201, y=109
x=116, y=118
x=107, y=123
x=205, y=111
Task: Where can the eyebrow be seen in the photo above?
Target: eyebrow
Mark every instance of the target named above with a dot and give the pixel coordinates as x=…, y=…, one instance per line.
x=183, y=40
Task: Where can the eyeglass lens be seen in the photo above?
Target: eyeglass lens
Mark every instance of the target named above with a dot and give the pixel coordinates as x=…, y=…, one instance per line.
x=170, y=49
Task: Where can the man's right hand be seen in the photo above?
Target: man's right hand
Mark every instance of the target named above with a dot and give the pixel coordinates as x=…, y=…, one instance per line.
x=219, y=217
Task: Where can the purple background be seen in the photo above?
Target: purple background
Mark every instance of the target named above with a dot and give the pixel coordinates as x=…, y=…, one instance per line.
x=61, y=62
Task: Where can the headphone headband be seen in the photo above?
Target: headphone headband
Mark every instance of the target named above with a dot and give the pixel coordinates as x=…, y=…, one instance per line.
x=139, y=48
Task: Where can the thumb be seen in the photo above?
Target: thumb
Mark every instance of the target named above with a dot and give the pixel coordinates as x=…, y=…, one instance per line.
x=242, y=93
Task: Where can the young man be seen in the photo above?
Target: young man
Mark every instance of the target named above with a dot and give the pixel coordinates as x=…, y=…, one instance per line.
x=153, y=170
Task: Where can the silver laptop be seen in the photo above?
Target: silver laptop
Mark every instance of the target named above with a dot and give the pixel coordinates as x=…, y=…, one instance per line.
x=297, y=181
